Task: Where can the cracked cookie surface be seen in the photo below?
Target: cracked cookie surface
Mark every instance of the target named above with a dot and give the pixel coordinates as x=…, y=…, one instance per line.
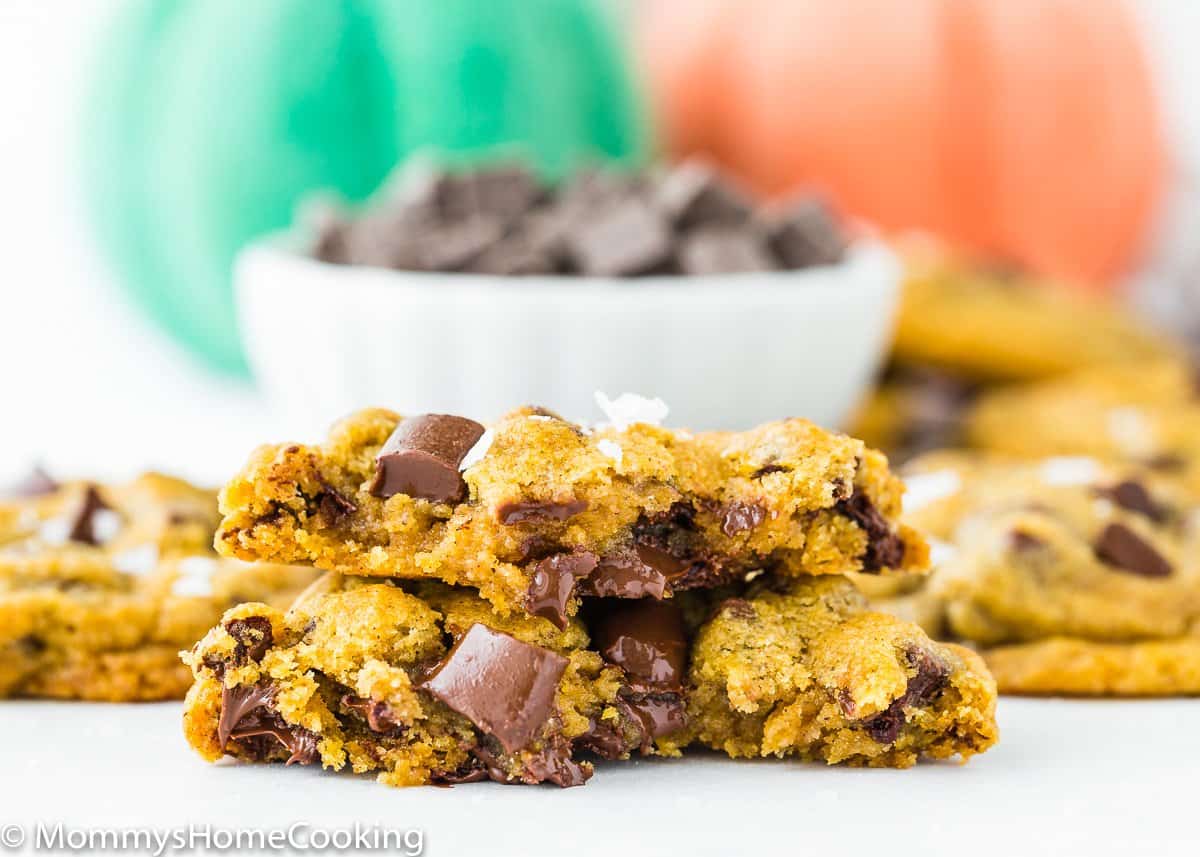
x=545, y=511
x=419, y=682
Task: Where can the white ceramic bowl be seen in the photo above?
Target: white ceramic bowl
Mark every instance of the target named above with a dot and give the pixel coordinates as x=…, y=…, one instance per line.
x=723, y=351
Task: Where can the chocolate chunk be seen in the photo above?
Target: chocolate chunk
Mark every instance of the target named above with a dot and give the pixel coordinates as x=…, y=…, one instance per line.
x=646, y=639
x=1133, y=497
x=253, y=636
x=884, y=548
x=471, y=771
x=502, y=685
x=553, y=583
x=1123, y=549
x=738, y=517
x=626, y=239
x=247, y=716
x=693, y=193
x=656, y=714
x=515, y=255
x=83, y=522
x=422, y=456
x=805, y=235
x=553, y=764
x=1167, y=463
x=377, y=713
x=604, y=739
x=520, y=511
x=37, y=484
x=333, y=505
x=640, y=572
x=504, y=192
x=723, y=250
x=930, y=678
x=456, y=246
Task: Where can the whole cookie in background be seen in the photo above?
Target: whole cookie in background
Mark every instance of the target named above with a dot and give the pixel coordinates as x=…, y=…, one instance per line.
x=1070, y=575
x=102, y=585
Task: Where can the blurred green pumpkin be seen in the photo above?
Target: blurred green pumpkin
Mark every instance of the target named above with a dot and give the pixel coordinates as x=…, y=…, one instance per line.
x=210, y=119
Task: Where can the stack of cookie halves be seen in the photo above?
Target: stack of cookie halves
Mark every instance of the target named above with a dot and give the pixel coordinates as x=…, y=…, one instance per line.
x=515, y=602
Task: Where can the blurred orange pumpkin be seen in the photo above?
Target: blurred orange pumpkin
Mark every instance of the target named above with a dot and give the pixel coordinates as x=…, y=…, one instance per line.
x=1022, y=129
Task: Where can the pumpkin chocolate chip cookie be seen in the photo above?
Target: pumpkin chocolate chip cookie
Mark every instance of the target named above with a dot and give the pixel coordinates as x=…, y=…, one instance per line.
x=420, y=682
x=536, y=511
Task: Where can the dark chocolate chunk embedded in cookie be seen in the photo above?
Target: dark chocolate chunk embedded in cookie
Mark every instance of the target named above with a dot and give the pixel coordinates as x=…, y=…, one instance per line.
x=422, y=457
x=504, y=686
x=884, y=548
x=553, y=584
x=1133, y=496
x=83, y=523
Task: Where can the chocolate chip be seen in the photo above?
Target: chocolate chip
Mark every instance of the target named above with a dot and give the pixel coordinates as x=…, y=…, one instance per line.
x=253, y=638
x=237, y=703
x=884, y=548
x=1123, y=549
x=37, y=484
x=646, y=639
x=83, y=522
x=553, y=583
x=723, y=250
x=378, y=714
x=422, y=456
x=502, y=685
x=1133, y=497
x=807, y=234
x=627, y=238
x=520, y=511
x=693, y=193
x=604, y=739
x=739, y=517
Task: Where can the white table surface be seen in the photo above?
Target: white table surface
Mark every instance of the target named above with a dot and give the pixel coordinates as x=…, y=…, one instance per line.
x=1068, y=777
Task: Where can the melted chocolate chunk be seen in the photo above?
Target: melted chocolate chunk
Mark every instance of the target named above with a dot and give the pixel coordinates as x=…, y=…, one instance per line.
x=553, y=764
x=37, y=484
x=377, y=713
x=333, y=505
x=640, y=572
x=1133, y=497
x=657, y=715
x=502, y=685
x=517, y=512
x=253, y=636
x=247, y=717
x=604, y=739
x=646, y=639
x=1121, y=548
x=422, y=456
x=553, y=583
x=83, y=523
x=884, y=548
x=923, y=687
x=738, y=517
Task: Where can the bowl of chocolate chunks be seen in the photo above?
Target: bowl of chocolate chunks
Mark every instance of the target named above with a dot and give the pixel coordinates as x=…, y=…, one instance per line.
x=466, y=291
